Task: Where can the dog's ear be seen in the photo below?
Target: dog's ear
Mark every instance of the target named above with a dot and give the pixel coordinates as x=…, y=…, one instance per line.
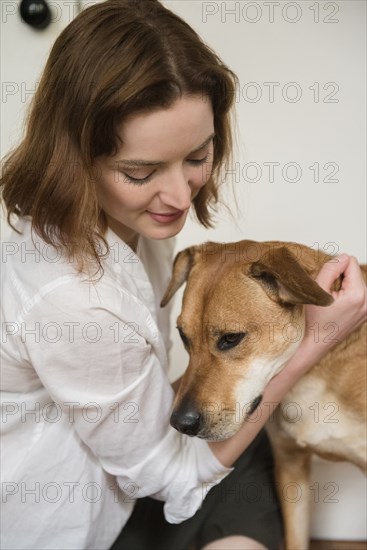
x=285, y=280
x=182, y=265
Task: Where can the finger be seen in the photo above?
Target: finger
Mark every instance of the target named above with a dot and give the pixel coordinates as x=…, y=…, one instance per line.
x=352, y=271
x=331, y=270
x=353, y=278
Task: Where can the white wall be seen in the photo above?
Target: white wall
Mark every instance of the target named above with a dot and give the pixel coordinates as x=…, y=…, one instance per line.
x=301, y=104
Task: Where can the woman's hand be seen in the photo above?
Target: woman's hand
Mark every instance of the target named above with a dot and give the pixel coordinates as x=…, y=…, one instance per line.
x=326, y=326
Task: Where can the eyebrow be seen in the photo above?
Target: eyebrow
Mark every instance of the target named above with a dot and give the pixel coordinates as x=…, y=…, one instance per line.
x=139, y=162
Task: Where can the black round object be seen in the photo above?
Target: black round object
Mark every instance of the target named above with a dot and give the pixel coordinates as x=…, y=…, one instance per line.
x=35, y=13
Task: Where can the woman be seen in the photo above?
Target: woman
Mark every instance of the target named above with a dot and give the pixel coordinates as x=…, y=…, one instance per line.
x=129, y=128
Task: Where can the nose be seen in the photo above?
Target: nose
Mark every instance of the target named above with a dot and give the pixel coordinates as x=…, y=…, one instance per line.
x=186, y=418
x=176, y=192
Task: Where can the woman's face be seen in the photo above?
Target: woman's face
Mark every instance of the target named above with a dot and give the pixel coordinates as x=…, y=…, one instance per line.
x=165, y=159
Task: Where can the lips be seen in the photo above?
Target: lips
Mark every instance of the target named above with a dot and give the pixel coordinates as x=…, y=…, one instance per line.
x=165, y=217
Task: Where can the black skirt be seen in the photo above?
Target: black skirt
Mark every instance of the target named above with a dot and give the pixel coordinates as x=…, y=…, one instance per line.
x=244, y=503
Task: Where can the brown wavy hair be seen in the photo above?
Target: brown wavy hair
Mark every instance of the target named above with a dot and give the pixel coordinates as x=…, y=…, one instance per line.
x=115, y=58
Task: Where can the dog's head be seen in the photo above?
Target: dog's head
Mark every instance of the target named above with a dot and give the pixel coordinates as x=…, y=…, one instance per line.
x=241, y=320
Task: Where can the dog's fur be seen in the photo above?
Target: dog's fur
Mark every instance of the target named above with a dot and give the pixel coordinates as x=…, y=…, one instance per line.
x=242, y=318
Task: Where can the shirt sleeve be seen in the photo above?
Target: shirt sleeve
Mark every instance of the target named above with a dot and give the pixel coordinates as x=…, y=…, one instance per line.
x=98, y=356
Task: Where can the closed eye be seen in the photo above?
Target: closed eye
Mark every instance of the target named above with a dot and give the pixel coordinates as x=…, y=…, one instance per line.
x=230, y=340
x=131, y=179
x=183, y=336
x=140, y=181
x=197, y=162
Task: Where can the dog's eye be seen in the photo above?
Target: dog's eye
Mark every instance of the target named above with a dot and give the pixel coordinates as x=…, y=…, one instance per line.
x=183, y=336
x=230, y=340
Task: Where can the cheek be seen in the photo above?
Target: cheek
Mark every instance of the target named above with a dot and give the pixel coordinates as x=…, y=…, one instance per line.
x=108, y=191
x=200, y=177
x=115, y=191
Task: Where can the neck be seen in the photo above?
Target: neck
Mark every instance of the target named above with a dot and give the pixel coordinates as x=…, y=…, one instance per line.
x=130, y=237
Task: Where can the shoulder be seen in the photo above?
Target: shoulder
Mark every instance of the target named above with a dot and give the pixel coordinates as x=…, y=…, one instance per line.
x=36, y=274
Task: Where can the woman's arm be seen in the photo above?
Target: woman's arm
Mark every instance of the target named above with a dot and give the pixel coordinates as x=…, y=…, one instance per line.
x=119, y=371
x=348, y=311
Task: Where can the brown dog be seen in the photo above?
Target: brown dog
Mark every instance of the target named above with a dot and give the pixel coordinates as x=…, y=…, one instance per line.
x=242, y=318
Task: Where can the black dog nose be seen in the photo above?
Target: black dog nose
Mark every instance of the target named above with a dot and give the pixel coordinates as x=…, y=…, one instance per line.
x=186, y=418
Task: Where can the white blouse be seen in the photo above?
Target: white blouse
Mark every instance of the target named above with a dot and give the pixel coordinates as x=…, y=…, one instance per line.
x=86, y=399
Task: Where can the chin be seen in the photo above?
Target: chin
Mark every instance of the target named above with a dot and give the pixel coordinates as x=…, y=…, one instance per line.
x=165, y=232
